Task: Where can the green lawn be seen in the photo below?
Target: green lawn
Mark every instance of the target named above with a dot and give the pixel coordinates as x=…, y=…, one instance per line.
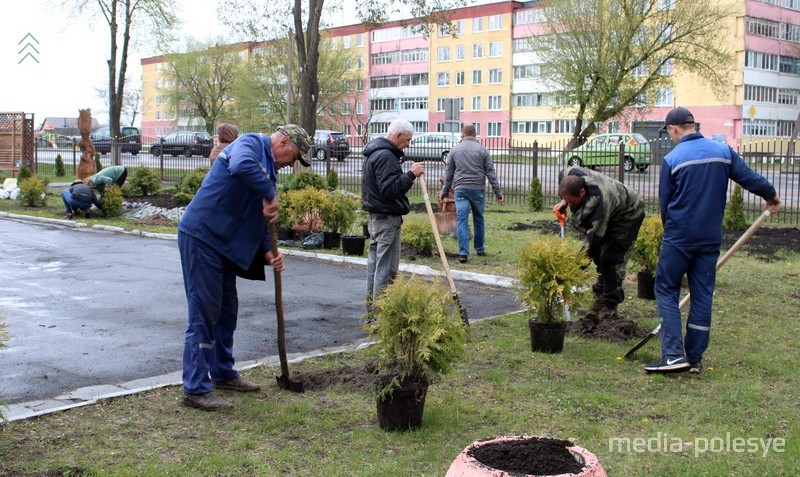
x=748, y=392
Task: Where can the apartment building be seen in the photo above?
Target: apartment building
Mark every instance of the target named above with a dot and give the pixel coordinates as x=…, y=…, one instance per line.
x=486, y=75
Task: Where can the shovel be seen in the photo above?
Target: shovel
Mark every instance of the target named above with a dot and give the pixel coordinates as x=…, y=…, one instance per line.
x=461, y=310
x=562, y=219
x=283, y=380
x=744, y=238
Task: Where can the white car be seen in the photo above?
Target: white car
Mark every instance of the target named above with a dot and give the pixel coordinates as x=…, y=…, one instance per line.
x=431, y=146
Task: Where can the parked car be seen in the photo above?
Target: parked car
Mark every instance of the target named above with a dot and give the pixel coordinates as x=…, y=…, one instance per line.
x=333, y=141
x=603, y=150
x=131, y=140
x=431, y=146
x=186, y=143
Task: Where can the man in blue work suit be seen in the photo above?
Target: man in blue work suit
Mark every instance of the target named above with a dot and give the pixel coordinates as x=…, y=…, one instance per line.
x=692, y=194
x=223, y=235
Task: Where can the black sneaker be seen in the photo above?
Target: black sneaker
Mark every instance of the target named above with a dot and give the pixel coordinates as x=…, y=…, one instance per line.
x=462, y=259
x=695, y=368
x=669, y=364
x=481, y=254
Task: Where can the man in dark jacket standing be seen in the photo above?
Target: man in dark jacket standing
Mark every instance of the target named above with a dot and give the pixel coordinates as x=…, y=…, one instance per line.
x=469, y=165
x=383, y=194
x=692, y=192
x=609, y=215
x=223, y=235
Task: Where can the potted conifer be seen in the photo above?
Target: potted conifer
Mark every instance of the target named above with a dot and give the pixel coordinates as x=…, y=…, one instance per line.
x=551, y=271
x=644, y=254
x=338, y=214
x=421, y=335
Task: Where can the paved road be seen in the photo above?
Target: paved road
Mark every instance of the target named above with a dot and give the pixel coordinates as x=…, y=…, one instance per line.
x=86, y=307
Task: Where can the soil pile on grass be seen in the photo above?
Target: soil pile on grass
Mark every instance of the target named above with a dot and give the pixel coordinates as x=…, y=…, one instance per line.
x=534, y=456
x=608, y=326
x=347, y=377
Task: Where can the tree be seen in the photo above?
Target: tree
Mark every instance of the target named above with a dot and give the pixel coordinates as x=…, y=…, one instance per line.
x=603, y=56
x=203, y=78
x=123, y=17
x=131, y=101
x=255, y=20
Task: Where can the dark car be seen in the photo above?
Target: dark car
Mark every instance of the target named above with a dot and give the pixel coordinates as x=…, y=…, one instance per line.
x=330, y=141
x=184, y=143
x=131, y=140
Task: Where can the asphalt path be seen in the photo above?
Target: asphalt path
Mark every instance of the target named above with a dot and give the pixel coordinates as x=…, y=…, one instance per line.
x=87, y=307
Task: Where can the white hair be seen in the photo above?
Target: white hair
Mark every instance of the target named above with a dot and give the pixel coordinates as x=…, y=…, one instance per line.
x=400, y=126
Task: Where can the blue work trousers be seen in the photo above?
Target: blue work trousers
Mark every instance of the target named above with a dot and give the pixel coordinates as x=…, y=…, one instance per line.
x=210, y=283
x=71, y=204
x=699, y=264
x=467, y=200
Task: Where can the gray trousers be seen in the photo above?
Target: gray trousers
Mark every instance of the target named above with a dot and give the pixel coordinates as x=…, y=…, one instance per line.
x=383, y=261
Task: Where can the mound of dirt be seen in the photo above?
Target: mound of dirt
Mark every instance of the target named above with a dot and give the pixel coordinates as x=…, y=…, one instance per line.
x=347, y=377
x=607, y=326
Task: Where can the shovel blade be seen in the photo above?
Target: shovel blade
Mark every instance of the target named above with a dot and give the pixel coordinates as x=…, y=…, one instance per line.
x=644, y=341
x=285, y=383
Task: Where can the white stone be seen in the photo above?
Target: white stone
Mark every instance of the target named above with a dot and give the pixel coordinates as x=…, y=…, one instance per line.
x=4, y=194
x=14, y=194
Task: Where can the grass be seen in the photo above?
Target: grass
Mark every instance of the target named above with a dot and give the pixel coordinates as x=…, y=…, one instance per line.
x=586, y=394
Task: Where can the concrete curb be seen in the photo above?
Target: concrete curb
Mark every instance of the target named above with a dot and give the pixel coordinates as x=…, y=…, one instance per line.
x=92, y=394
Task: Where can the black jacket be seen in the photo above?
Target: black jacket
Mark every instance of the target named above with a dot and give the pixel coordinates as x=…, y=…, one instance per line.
x=383, y=182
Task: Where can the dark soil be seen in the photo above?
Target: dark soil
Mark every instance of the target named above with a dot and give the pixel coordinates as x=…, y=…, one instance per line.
x=534, y=456
x=346, y=377
x=163, y=200
x=607, y=326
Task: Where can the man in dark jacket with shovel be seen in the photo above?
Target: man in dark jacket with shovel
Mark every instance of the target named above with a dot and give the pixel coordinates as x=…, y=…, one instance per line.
x=383, y=194
x=223, y=235
x=609, y=215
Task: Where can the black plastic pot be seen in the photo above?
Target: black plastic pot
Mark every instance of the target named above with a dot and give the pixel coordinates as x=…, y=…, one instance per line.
x=547, y=337
x=646, y=285
x=353, y=244
x=285, y=234
x=331, y=240
x=402, y=409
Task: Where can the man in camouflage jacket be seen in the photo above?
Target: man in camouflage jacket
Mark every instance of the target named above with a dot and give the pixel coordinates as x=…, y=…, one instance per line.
x=609, y=215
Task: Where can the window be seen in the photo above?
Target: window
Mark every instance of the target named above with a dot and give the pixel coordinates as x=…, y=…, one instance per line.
x=495, y=75
x=790, y=32
x=785, y=128
x=378, y=128
x=414, y=79
x=666, y=5
x=443, y=79
x=531, y=99
x=476, y=103
x=360, y=39
x=612, y=126
x=360, y=62
x=477, y=24
x=664, y=97
x=761, y=27
x=346, y=107
x=461, y=26
x=441, y=103
x=384, y=81
x=527, y=71
x=760, y=61
x=477, y=51
x=495, y=102
x=760, y=94
x=420, y=126
x=346, y=41
x=495, y=49
x=477, y=128
x=386, y=58
x=524, y=17
x=459, y=78
x=359, y=130
x=495, y=129
x=443, y=53
x=460, y=54
x=565, y=126
x=360, y=84
x=790, y=97
x=640, y=70
x=520, y=45
x=531, y=127
x=495, y=22
x=666, y=68
x=346, y=129
x=360, y=108
x=758, y=127
x=414, y=103
x=383, y=104
x=420, y=54
x=476, y=76
x=789, y=65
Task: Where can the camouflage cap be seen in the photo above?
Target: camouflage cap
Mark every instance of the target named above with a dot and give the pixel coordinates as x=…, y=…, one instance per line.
x=300, y=138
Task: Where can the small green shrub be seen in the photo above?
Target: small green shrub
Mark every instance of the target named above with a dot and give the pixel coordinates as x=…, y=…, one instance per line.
x=339, y=212
x=97, y=165
x=144, y=181
x=32, y=192
x=189, y=185
x=332, y=178
x=305, y=179
x=112, y=201
x=418, y=233
x=60, y=170
x=24, y=173
x=648, y=244
x=734, y=214
x=536, y=196
x=306, y=207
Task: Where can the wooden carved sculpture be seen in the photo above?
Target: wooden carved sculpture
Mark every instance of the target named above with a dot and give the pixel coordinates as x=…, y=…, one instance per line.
x=86, y=166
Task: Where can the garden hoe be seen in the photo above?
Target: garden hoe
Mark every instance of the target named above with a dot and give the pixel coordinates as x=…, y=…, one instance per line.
x=744, y=238
x=461, y=310
x=562, y=219
x=283, y=380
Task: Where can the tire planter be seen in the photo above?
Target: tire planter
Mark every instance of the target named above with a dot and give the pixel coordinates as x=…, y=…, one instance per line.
x=331, y=240
x=466, y=465
x=547, y=337
x=353, y=244
x=646, y=285
x=402, y=408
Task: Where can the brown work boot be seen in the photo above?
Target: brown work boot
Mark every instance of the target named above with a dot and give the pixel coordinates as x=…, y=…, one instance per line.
x=206, y=402
x=239, y=384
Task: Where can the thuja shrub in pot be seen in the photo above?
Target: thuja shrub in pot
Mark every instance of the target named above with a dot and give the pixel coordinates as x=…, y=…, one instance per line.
x=551, y=271
x=644, y=254
x=421, y=336
x=338, y=214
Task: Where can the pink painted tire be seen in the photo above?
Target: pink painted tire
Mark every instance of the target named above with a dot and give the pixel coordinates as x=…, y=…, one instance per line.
x=466, y=466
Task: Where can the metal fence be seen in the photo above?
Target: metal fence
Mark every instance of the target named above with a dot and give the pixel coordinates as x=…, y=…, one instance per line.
x=516, y=163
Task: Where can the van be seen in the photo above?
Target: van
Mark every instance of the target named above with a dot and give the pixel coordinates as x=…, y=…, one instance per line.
x=131, y=140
